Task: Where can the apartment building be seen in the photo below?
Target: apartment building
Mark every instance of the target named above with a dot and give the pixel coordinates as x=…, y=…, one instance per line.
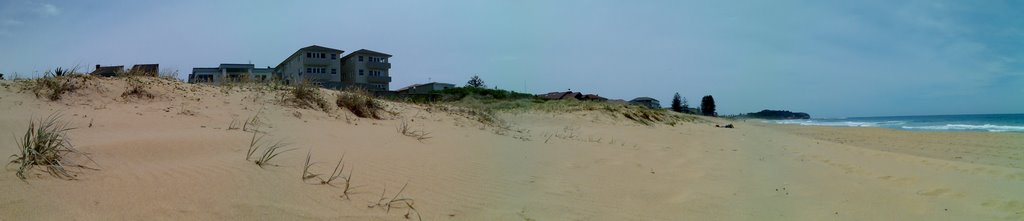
x=367, y=69
x=230, y=73
x=314, y=64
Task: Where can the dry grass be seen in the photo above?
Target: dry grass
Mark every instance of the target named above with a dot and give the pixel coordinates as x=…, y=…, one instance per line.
x=46, y=144
x=360, y=103
x=337, y=173
x=307, y=96
x=270, y=150
x=54, y=84
x=405, y=129
x=136, y=89
x=253, y=124
x=396, y=202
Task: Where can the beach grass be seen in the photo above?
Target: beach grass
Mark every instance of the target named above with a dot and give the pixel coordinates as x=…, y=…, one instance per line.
x=359, y=102
x=46, y=144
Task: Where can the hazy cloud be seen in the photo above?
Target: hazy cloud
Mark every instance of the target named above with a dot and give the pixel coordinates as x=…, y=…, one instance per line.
x=47, y=10
x=10, y=22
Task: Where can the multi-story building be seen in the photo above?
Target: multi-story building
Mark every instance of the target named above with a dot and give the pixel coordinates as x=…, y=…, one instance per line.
x=230, y=73
x=367, y=69
x=314, y=64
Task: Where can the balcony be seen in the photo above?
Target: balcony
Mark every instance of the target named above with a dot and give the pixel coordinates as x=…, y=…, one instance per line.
x=378, y=65
x=378, y=79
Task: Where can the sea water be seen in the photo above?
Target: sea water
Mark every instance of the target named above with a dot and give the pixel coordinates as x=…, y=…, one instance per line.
x=974, y=122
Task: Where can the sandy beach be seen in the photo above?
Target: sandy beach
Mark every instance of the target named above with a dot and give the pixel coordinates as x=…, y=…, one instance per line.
x=175, y=157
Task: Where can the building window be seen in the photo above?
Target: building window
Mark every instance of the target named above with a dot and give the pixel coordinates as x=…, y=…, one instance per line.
x=309, y=70
x=334, y=56
x=360, y=58
x=309, y=55
x=360, y=72
x=322, y=55
x=334, y=71
x=323, y=70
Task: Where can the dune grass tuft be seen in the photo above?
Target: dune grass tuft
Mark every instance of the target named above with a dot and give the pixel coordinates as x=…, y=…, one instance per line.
x=337, y=173
x=54, y=84
x=405, y=129
x=307, y=95
x=360, y=103
x=270, y=150
x=46, y=144
x=137, y=89
x=397, y=201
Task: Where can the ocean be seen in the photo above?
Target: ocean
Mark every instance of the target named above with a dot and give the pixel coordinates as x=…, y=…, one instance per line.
x=973, y=122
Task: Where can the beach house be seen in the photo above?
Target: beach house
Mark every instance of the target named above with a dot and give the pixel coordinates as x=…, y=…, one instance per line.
x=314, y=64
x=646, y=102
x=230, y=73
x=145, y=70
x=107, y=71
x=424, y=88
x=367, y=69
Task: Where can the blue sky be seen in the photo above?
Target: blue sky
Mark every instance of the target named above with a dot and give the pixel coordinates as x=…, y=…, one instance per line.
x=831, y=59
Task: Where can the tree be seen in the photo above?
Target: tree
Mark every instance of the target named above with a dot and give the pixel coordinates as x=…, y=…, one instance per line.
x=707, y=106
x=476, y=82
x=677, y=103
x=686, y=106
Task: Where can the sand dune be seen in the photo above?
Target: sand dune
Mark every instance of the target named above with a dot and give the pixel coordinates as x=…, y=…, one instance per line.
x=173, y=157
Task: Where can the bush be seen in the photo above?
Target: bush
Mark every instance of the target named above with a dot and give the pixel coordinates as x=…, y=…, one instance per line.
x=359, y=102
x=461, y=92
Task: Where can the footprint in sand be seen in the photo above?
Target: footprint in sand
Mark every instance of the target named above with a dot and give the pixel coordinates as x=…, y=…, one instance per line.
x=1016, y=176
x=1014, y=207
x=935, y=192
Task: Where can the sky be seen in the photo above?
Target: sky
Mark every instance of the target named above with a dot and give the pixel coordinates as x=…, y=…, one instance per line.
x=826, y=58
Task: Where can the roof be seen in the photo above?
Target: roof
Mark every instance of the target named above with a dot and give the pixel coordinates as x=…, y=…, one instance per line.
x=417, y=85
x=643, y=99
x=108, y=69
x=364, y=52
x=319, y=48
x=146, y=67
x=311, y=47
x=562, y=95
x=237, y=66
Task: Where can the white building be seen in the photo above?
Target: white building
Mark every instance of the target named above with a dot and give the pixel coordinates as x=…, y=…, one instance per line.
x=314, y=64
x=230, y=73
x=367, y=69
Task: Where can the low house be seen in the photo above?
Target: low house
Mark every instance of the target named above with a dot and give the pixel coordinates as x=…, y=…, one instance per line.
x=230, y=73
x=145, y=70
x=569, y=95
x=593, y=97
x=646, y=102
x=424, y=88
x=107, y=71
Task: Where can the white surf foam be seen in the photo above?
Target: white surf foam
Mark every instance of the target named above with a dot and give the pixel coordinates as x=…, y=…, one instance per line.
x=985, y=127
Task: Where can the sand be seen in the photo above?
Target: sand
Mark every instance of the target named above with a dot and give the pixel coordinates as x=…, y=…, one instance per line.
x=173, y=158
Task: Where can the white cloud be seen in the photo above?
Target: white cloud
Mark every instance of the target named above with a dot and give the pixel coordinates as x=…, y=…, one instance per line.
x=10, y=22
x=47, y=10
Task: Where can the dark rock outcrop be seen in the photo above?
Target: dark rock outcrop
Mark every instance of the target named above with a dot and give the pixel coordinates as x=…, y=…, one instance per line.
x=777, y=115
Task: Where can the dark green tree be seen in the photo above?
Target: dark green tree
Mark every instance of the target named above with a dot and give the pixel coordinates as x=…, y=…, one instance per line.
x=707, y=106
x=677, y=103
x=476, y=82
x=686, y=106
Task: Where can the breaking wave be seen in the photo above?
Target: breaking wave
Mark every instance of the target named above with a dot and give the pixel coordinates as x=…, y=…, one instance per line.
x=986, y=127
